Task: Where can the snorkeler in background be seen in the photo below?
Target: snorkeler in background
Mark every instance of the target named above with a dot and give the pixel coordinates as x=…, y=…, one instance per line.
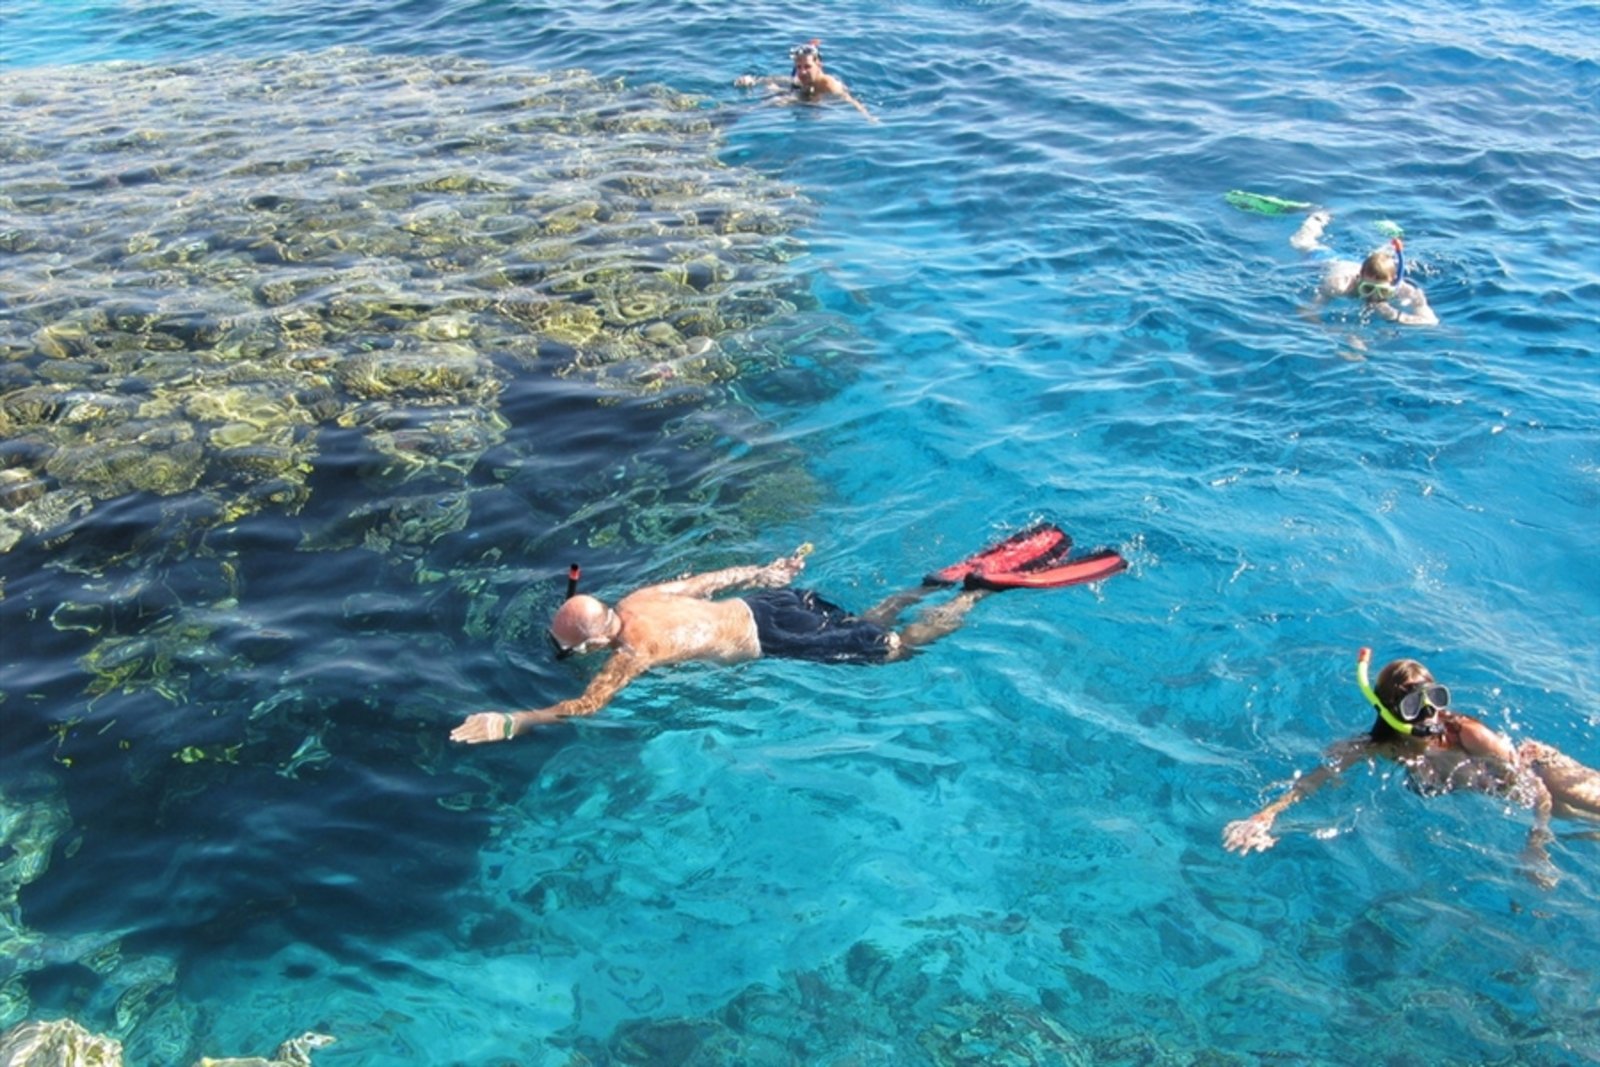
x=1379, y=281
x=1443, y=751
x=807, y=82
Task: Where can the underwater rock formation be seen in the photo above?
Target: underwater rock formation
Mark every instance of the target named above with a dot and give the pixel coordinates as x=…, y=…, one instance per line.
x=64, y=1043
x=343, y=240
x=309, y=291
x=59, y=1043
x=296, y=1052
x=30, y=826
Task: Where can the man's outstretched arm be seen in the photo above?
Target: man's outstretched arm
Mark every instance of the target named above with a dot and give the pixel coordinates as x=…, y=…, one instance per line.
x=779, y=572
x=619, y=670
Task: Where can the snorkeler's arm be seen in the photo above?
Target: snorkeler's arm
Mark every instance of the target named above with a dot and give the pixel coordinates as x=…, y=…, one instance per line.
x=1338, y=280
x=1255, y=833
x=779, y=572
x=620, y=669
x=837, y=87
x=1419, y=313
x=1535, y=855
x=751, y=81
x=1308, y=238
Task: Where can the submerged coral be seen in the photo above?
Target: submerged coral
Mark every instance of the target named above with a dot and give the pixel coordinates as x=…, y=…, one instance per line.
x=295, y=1052
x=31, y=822
x=58, y=1043
x=65, y=1043
x=189, y=312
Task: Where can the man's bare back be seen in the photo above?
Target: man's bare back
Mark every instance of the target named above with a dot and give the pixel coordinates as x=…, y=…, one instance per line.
x=660, y=627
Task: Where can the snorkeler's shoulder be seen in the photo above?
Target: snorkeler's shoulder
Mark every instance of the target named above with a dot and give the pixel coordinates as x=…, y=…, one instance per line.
x=1340, y=277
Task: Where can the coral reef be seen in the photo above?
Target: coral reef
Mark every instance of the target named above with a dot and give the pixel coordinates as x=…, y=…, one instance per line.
x=64, y=1043
x=342, y=240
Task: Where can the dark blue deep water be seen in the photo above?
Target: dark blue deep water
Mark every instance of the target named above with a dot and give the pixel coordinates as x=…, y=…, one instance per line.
x=330, y=333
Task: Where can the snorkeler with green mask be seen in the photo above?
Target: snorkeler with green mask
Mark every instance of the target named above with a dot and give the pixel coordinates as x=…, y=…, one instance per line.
x=1378, y=281
x=1442, y=751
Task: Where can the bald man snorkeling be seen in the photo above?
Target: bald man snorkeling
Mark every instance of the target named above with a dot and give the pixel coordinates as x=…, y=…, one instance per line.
x=679, y=621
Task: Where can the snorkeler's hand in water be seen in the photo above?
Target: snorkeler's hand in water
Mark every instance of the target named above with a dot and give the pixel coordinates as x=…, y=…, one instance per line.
x=784, y=569
x=502, y=725
x=1249, y=835
x=779, y=572
x=1536, y=865
x=485, y=726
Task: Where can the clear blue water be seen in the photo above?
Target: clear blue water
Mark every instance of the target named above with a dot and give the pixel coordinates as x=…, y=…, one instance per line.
x=1008, y=849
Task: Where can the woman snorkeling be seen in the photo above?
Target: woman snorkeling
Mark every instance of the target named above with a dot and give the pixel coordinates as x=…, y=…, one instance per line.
x=1442, y=751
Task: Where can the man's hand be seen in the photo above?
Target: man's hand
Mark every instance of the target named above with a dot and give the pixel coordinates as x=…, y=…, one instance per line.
x=1249, y=835
x=486, y=726
x=784, y=569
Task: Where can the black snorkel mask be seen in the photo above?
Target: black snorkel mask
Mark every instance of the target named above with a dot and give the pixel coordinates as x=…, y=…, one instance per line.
x=562, y=651
x=1413, y=717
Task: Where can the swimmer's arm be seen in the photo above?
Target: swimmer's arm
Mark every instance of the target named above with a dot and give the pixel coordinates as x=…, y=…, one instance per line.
x=838, y=88
x=1255, y=833
x=1338, y=280
x=1420, y=313
x=1535, y=854
x=859, y=106
x=751, y=81
x=619, y=670
x=779, y=572
x=1308, y=238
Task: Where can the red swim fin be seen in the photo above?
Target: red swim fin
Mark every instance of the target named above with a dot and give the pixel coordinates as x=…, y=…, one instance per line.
x=1037, y=544
x=1051, y=574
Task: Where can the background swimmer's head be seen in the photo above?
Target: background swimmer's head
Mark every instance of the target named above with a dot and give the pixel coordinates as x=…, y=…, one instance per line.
x=807, y=59
x=582, y=624
x=1397, y=678
x=1379, y=276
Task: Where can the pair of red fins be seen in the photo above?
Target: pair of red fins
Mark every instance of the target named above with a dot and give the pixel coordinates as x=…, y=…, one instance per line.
x=1035, y=558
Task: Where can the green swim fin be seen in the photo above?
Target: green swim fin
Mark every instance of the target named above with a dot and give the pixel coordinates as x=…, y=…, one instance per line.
x=1262, y=204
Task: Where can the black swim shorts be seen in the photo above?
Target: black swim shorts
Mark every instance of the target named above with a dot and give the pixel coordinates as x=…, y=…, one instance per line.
x=799, y=624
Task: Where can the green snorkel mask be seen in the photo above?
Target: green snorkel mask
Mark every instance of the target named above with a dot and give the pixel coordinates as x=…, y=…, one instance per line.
x=1416, y=708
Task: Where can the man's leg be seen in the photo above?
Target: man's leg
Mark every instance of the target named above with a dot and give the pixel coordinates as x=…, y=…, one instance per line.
x=890, y=609
x=937, y=622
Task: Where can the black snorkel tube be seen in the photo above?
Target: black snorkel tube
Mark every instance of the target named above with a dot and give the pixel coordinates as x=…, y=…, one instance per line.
x=1397, y=724
x=560, y=650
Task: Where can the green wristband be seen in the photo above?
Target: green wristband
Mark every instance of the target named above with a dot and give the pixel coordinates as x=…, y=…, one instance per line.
x=511, y=725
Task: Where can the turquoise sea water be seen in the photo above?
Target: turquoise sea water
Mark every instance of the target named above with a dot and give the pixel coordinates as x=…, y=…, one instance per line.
x=1020, y=294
